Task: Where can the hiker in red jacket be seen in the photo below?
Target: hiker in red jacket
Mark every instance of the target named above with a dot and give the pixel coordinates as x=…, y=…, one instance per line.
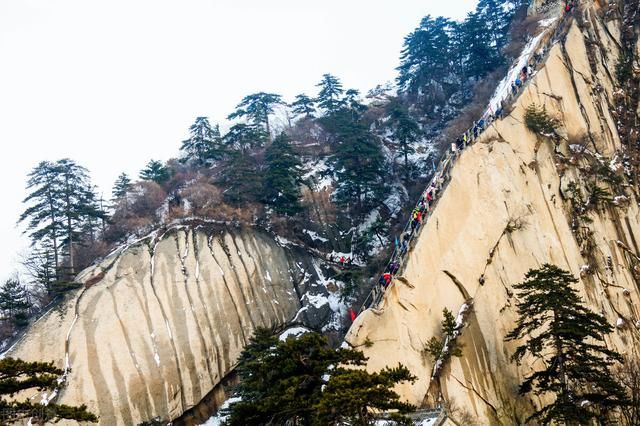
x=387, y=278
x=352, y=314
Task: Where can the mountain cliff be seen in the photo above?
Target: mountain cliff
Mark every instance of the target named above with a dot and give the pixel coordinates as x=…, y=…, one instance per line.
x=161, y=322
x=515, y=201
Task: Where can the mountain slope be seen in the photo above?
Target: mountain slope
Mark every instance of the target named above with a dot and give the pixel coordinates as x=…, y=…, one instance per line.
x=508, y=208
x=161, y=322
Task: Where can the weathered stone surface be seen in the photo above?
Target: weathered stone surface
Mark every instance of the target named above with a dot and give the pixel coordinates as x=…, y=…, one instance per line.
x=512, y=174
x=163, y=320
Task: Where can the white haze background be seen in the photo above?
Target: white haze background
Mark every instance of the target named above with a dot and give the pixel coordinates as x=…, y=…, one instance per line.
x=112, y=84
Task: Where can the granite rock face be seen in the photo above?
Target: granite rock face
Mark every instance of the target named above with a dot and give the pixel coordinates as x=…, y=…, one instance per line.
x=161, y=322
x=507, y=210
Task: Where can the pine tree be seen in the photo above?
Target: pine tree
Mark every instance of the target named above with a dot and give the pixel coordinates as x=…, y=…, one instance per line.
x=17, y=375
x=257, y=108
x=303, y=105
x=353, y=396
x=352, y=102
x=496, y=16
x=281, y=382
x=121, y=187
x=243, y=137
x=204, y=143
x=482, y=56
x=45, y=212
x=241, y=179
x=155, y=171
x=425, y=55
x=60, y=204
x=406, y=131
x=78, y=205
x=93, y=215
x=40, y=266
x=458, y=51
x=329, y=97
x=282, y=177
x=14, y=302
x=358, y=163
x=568, y=338
x=435, y=345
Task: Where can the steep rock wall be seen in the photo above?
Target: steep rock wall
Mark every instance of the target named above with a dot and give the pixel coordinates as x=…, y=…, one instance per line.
x=162, y=321
x=505, y=211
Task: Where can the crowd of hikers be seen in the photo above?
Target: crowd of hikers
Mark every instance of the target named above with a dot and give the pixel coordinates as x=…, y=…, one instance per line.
x=441, y=177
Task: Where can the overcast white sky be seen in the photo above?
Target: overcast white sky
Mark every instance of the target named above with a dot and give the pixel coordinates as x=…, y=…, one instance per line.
x=112, y=84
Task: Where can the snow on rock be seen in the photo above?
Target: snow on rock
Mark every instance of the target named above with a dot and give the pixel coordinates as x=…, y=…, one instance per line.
x=316, y=300
x=371, y=218
x=293, y=332
x=283, y=241
x=428, y=422
x=620, y=323
x=314, y=236
x=546, y=23
x=219, y=419
x=319, y=174
x=505, y=85
x=620, y=199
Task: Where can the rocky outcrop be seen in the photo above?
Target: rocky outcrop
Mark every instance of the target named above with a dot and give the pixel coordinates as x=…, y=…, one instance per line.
x=507, y=210
x=162, y=321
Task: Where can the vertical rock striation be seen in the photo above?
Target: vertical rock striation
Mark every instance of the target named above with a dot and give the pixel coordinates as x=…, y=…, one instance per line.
x=161, y=322
x=507, y=209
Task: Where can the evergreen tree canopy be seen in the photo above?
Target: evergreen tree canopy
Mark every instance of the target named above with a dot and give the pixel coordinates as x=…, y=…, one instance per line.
x=256, y=108
x=435, y=345
x=329, y=97
x=358, y=162
x=155, y=171
x=406, y=131
x=121, y=187
x=41, y=267
x=303, y=105
x=350, y=397
x=283, y=176
x=496, y=15
x=14, y=302
x=241, y=179
x=425, y=55
x=17, y=375
x=352, y=101
x=482, y=55
x=62, y=202
x=243, y=137
x=204, y=142
x=282, y=381
x=441, y=50
x=568, y=338
x=45, y=213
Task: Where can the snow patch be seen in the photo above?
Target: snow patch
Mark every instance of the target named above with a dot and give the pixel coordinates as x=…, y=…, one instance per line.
x=314, y=236
x=546, y=23
x=219, y=419
x=505, y=85
x=293, y=332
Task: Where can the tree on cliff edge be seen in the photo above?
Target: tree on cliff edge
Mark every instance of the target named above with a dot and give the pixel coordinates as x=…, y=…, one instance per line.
x=568, y=338
x=303, y=381
x=282, y=176
x=17, y=375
